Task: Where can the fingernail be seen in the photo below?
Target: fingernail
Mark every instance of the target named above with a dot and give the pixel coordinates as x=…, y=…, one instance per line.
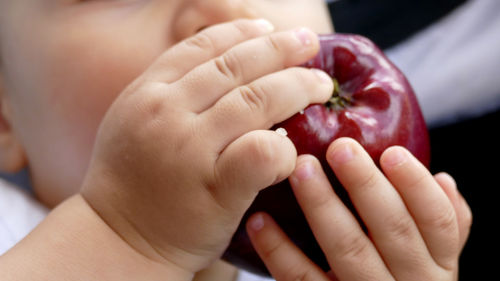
x=304, y=171
x=342, y=154
x=395, y=157
x=323, y=76
x=265, y=25
x=256, y=222
x=305, y=36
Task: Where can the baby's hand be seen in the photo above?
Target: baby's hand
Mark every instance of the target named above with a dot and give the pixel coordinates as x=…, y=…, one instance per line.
x=185, y=148
x=417, y=224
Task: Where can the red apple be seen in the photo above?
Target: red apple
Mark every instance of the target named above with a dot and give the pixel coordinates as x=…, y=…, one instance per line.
x=372, y=103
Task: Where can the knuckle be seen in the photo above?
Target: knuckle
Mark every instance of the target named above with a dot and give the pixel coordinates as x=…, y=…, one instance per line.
x=303, y=76
x=320, y=201
x=444, y=221
x=272, y=250
x=149, y=108
x=368, y=180
x=400, y=228
x=301, y=273
x=313, y=91
x=254, y=97
x=202, y=41
x=417, y=177
x=263, y=149
x=352, y=247
x=138, y=86
x=273, y=43
x=244, y=27
x=229, y=65
x=418, y=180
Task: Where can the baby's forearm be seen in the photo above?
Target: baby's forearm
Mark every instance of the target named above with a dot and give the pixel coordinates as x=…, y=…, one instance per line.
x=73, y=243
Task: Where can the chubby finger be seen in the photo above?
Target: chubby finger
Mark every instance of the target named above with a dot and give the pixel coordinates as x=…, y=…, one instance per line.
x=449, y=186
x=282, y=258
x=462, y=209
x=243, y=64
x=203, y=46
x=347, y=248
x=427, y=202
x=265, y=102
x=252, y=162
x=383, y=211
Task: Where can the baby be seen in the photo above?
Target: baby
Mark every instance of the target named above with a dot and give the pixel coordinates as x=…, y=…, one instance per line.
x=144, y=124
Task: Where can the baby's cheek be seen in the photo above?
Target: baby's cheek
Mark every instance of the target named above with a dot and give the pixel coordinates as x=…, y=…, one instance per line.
x=72, y=97
x=63, y=74
x=58, y=162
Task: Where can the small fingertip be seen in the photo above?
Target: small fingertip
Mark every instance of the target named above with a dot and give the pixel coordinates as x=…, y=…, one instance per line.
x=323, y=77
x=256, y=222
x=449, y=186
x=394, y=156
x=447, y=179
x=340, y=151
x=306, y=36
x=265, y=25
x=304, y=169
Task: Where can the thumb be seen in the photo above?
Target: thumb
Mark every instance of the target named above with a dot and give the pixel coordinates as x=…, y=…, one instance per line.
x=251, y=163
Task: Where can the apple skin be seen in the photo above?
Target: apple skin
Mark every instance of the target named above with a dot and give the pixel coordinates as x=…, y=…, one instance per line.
x=372, y=103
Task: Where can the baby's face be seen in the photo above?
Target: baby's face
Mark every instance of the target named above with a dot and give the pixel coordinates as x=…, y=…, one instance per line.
x=63, y=62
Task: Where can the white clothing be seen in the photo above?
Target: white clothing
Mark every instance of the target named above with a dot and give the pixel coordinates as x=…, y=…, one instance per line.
x=247, y=276
x=19, y=214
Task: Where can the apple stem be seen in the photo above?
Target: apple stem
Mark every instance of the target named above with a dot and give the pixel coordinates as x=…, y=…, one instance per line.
x=338, y=100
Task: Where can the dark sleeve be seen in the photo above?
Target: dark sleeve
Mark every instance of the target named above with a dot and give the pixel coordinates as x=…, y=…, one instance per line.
x=388, y=22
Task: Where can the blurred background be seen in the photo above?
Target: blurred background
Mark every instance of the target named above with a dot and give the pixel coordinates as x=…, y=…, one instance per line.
x=450, y=52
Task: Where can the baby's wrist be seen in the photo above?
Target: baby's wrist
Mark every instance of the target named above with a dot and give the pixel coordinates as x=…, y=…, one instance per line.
x=130, y=259
x=76, y=234
x=81, y=246
x=117, y=206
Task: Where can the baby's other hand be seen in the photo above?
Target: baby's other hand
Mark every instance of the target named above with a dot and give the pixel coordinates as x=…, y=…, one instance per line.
x=185, y=148
x=417, y=223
